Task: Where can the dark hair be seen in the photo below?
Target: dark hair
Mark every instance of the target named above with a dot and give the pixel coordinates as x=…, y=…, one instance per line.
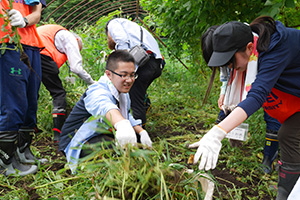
x=118, y=56
x=206, y=42
x=207, y=50
x=264, y=26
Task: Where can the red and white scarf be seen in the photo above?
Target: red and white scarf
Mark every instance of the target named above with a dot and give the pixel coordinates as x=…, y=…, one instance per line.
x=240, y=83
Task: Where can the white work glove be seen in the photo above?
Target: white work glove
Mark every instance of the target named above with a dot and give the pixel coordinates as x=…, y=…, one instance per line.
x=145, y=139
x=16, y=18
x=125, y=133
x=208, y=148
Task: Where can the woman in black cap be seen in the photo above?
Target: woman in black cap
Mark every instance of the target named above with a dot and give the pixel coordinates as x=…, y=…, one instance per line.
x=276, y=88
x=227, y=76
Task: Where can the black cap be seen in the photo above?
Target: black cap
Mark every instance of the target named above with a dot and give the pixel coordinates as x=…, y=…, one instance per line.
x=228, y=39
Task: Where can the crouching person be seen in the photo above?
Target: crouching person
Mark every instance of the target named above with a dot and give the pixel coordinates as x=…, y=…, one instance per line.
x=107, y=98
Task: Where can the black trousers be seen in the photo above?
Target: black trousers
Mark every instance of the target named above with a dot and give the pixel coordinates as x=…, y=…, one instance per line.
x=146, y=75
x=289, y=139
x=53, y=84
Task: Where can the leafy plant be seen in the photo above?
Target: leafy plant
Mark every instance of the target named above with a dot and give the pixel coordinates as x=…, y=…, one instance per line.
x=183, y=22
x=12, y=34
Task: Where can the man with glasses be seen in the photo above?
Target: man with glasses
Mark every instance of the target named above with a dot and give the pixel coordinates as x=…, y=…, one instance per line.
x=104, y=106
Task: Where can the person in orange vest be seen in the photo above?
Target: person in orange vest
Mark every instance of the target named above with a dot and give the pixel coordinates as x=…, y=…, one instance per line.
x=60, y=45
x=19, y=86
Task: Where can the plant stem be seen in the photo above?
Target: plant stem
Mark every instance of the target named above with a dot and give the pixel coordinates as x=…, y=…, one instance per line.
x=58, y=181
x=12, y=49
x=15, y=30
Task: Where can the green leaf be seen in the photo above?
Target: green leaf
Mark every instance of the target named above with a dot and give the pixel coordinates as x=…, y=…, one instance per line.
x=275, y=9
x=3, y=48
x=3, y=28
x=187, y=5
x=290, y=3
x=269, y=3
x=5, y=36
x=177, y=166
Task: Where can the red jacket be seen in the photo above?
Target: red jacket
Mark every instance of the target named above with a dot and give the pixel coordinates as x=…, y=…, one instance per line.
x=29, y=35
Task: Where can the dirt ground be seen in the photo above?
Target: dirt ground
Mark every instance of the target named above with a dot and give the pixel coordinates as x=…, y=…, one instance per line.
x=226, y=178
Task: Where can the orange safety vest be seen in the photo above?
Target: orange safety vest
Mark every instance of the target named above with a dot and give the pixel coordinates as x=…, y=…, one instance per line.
x=47, y=34
x=28, y=34
x=281, y=105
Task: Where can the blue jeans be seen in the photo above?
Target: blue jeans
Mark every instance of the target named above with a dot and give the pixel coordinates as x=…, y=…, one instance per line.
x=272, y=123
x=19, y=87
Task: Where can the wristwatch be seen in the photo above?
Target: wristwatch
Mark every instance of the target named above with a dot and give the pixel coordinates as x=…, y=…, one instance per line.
x=26, y=21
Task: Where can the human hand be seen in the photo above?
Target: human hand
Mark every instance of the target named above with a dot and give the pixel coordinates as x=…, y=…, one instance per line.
x=125, y=133
x=16, y=18
x=145, y=139
x=221, y=100
x=228, y=109
x=208, y=148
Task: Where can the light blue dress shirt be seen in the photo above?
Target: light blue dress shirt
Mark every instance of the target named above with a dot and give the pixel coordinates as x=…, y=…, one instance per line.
x=100, y=98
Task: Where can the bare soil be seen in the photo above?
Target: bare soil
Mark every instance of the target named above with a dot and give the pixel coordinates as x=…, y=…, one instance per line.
x=226, y=179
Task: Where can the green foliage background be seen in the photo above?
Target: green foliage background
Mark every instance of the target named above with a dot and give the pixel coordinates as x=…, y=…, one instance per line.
x=184, y=21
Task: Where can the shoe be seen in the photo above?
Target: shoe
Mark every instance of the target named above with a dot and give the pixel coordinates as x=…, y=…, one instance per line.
x=23, y=152
x=16, y=168
x=37, y=130
x=58, y=121
x=287, y=178
x=8, y=163
x=27, y=157
x=267, y=165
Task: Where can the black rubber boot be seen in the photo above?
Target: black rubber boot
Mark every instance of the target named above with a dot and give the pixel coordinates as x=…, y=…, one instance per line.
x=270, y=152
x=58, y=122
x=288, y=176
x=23, y=152
x=8, y=163
x=37, y=130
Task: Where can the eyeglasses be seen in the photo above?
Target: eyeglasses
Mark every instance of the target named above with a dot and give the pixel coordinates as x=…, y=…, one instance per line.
x=126, y=76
